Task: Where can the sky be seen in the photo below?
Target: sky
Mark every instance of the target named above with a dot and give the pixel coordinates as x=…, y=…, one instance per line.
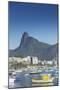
x=38, y=20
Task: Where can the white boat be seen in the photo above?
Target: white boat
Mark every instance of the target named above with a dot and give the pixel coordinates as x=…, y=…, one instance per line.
x=19, y=70
x=42, y=81
x=11, y=82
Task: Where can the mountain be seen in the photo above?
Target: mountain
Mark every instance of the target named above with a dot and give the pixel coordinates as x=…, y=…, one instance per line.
x=51, y=52
x=30, y=46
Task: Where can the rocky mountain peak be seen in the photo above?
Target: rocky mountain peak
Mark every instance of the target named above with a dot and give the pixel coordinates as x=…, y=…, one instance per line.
x=30, y=46
x=24, y=38
x=25, y=35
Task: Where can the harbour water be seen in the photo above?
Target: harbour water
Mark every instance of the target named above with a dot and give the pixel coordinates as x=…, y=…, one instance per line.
x=24, y=78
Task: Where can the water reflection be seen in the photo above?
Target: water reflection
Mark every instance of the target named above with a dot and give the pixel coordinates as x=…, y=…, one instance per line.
x=24, y=79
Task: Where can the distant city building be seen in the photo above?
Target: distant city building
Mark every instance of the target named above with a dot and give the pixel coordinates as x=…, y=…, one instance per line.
x=35, y=60
x=50, y=62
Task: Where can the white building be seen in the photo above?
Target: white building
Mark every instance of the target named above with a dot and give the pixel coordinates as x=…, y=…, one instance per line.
x=19, y=60
x=27, y=59
x=35, y=60
x=13, y=59
x=31, y=60
x=50, y=62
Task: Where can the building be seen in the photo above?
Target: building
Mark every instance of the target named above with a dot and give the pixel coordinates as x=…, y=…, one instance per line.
x=50, y=62
x=31, y=60
x=35, y=60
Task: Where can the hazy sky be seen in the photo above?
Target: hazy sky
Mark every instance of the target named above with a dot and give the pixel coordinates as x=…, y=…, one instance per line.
x=39, y=20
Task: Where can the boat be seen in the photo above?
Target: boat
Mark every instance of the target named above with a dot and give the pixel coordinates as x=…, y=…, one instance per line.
x=42, y=81
x=11, y=82
x=41, y=78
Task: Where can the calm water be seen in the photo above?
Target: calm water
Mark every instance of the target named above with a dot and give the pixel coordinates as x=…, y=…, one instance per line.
x=24, y=79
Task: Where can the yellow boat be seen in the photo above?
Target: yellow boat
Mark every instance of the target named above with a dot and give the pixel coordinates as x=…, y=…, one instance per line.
x=44, y=79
